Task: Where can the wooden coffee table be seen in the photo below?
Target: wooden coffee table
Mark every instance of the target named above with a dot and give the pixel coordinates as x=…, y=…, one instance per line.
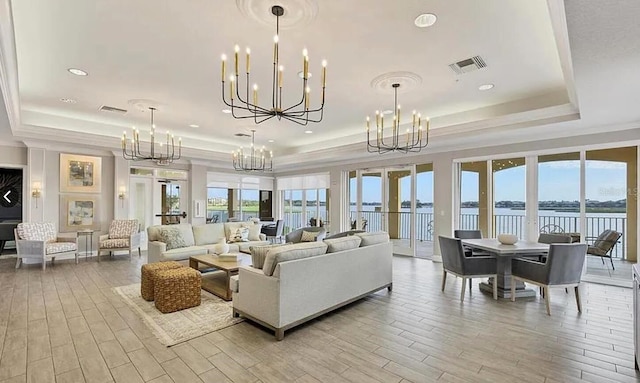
x=217, y=282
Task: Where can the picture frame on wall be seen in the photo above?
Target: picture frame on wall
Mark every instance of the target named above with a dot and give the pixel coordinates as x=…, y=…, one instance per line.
x=80, y=174
x=79, y=212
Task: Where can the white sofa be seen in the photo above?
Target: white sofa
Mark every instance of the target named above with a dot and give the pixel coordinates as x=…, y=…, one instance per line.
x=304, y=288
x=199, y=239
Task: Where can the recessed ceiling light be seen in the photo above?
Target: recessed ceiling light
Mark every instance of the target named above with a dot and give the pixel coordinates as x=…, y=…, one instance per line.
x=194, y=126
x=68, y=100
x=425, y=20
x=388, y=111
x=485, y=87
x=301, y=75
x=271, y=140
x=308, y=131
x=226, y=111
x=77, y=72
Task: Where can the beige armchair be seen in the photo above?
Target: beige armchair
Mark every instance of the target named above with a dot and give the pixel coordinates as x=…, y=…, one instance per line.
x=40, y=240
x=123, y=235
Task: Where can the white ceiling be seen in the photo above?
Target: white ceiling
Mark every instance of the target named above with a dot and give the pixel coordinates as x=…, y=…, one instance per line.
x=169, y=52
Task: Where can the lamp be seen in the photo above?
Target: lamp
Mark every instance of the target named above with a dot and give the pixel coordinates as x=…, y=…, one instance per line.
x=36, y=191
x=162, y=155
x=122, y=194
x=252, y=160
x=247, y=105
x=416, y=137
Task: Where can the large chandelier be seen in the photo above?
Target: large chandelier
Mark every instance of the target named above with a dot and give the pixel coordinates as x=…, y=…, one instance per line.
x=160, y=152
x=246, y=105
x=252, y=159
x=415, y=139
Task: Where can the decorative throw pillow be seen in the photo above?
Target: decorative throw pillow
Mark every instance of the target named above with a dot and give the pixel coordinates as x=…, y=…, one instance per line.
x=308, y=236
x=259, y=253
x=241, y=235
x=254, y=231
x=172, y=237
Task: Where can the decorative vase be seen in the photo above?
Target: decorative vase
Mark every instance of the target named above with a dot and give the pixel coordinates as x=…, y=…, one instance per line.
x=507, y=239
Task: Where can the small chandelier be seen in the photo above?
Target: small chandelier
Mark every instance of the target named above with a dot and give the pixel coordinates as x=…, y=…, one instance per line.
x=416, y=138
x=253, y=159
x=246, y=105
x=161, y=153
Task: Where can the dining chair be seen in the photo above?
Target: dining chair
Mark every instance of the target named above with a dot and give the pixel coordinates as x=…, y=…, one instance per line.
x=563, y=268
x=455, y=262
x=468, y=234
x=274, y=231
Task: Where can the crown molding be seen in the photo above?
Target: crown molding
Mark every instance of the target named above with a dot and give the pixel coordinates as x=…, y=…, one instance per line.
x=558, y=17
x=9, y=66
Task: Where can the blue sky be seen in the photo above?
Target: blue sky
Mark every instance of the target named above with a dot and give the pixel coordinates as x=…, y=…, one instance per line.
x=558, y=181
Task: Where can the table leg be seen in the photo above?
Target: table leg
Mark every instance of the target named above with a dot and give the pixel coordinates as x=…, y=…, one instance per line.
x=228, y=283
x=504, y=282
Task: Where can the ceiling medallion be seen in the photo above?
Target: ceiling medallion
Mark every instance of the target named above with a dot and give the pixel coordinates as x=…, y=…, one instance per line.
x=253, y=159
x=245, y=105
x=159, y=152
x=416, y=137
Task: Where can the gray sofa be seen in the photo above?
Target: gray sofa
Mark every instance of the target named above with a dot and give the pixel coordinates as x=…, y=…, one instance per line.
x=199, y=239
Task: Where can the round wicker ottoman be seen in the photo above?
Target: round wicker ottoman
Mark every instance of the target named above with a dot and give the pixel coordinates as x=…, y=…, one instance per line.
x=148, y=274
x=177, y=289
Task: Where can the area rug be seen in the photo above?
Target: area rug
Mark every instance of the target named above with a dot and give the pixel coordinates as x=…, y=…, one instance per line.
x=173, y=328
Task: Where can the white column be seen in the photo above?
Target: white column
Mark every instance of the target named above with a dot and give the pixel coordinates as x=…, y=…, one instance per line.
x=198, y=194
x=36, y=171
x=121, y=192
x=443, y=192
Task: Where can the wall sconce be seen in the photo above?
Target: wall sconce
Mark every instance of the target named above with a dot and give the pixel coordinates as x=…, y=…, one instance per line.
x=36, y=191
x=122, y=194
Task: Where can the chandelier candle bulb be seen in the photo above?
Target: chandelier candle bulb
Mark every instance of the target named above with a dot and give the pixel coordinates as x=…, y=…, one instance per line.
x=367, y=124
x=280, y=70
x=237, y=49
x=306, y=98
x=377, y=118
x=248, y=60
x=324, y=73
x=224, y=66
x=255, y=94
x=231, y=87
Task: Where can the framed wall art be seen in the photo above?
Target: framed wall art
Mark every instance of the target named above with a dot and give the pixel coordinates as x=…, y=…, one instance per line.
x=79, y=212
x=80, y=174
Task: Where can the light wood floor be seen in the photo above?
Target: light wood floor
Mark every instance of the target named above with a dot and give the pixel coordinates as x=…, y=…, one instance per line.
x=66, y=324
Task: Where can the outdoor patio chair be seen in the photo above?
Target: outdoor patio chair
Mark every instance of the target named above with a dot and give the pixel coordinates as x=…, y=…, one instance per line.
x=562, y=269
x=455, y=262
x=603, y=245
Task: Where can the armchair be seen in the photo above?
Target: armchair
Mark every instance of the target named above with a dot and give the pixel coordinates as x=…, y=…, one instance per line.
x=603, y=245
x=563, y=268
x=123, y=235
x=296, y=235
x=39, y=240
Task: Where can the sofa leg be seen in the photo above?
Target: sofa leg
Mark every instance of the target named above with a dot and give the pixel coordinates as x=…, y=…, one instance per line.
x=390, y=287
x=235, y=314
x=44, y=264
x=279, y=334
x=139, y=253
x=18, y=260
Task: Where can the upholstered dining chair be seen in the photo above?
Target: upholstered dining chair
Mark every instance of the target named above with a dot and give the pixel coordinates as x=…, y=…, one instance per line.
x=455, y=262
x=40, y=240
x=468, y=234
x=563, y=268
x=274, y=232
x=123, y=235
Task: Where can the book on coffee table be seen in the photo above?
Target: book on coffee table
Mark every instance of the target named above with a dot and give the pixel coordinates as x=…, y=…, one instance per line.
x=228, y=257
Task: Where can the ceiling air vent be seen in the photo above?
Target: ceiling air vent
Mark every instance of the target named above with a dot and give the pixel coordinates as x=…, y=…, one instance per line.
x=112, y=109
x=468, y=65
